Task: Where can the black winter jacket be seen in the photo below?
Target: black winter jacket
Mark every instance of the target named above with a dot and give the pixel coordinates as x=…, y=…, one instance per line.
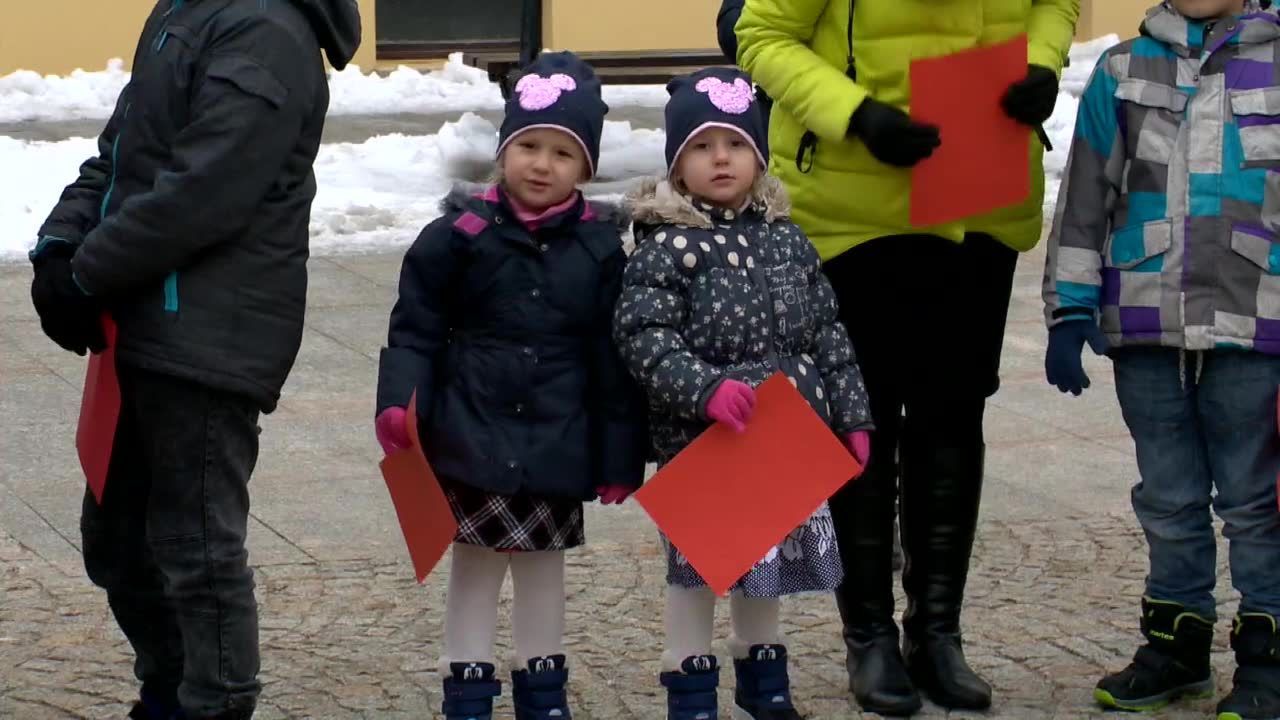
x=192, y=221
x=505, y=334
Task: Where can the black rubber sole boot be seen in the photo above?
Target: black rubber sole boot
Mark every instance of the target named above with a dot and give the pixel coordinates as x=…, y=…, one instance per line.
x=1173, y=665
x=1255, y=689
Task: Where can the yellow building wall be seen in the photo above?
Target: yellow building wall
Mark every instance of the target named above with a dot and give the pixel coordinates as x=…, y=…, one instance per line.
x=58, y=36
x=601, y=25
x=1102, y=17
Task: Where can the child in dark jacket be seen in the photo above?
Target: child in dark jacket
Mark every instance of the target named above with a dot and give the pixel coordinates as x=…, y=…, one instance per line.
x=503, y=328
x=722, y=292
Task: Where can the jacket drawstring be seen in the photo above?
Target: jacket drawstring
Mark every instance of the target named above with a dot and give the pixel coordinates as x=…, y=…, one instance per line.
x=1198, y=356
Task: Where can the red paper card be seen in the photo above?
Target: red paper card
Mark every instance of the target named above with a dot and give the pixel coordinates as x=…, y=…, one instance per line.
x=729, y=498
x=983, y=162
x=99, y=413
x=425, y=518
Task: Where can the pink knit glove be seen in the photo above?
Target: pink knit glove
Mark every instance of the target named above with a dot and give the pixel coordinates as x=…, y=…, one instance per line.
x=392, y=429
x=859, y=444
x=613, y=494
x=732, y=404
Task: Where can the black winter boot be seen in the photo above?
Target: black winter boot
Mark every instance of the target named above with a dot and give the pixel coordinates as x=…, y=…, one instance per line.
x=1173, y=664
x=864, y=515
x=764, y=688
x=153, y=705
x=1255, y=690
x=538, y=692
x=941, y=494
x=469, y=691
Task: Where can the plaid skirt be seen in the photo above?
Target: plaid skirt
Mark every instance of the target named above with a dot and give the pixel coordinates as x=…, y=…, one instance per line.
x=514, y=522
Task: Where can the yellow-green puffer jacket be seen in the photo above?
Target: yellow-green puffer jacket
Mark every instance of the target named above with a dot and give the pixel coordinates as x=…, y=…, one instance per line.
x=797, y=51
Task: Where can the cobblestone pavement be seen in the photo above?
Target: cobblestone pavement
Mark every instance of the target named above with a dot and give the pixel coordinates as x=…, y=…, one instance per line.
x=347, y=633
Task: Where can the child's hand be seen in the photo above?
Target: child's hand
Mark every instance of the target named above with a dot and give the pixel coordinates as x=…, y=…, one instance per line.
x=613, y=494
x=392, y=430
x=732, y=404
x=859, y=444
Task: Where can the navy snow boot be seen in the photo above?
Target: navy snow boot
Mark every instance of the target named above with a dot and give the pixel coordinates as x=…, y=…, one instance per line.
x=538, y=692
x=691, y=691
x=764, y=689
x=469, y=691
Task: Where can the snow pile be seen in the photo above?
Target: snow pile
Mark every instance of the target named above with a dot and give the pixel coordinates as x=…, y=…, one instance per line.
x=455, y=88
x=372, y=194
x=1061, y=127
x=27, y=96
x=381, y=192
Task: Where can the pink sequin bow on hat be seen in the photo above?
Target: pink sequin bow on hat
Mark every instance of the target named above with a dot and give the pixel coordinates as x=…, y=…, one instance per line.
x=539, y=93
x=734, y=98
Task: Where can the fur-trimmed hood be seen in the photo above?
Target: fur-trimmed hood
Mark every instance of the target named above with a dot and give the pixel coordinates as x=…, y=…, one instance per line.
x=657, y=201
x=465, y=195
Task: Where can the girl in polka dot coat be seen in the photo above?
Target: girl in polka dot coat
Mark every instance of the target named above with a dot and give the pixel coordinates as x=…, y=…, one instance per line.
x=721, y=292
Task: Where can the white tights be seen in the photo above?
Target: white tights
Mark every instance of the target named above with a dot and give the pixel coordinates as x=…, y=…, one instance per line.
x=471, y=608
x=690, y=619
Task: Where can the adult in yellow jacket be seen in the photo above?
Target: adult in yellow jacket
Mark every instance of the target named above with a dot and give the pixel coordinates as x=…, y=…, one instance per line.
x=926, y=307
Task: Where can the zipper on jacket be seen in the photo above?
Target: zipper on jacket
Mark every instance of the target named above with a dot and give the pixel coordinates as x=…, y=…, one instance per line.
x=164, y=31
x=171, y=292
x=115, y=153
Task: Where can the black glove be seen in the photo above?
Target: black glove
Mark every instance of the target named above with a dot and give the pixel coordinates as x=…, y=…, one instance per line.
x=1030, y=101
x=68, y=316
x=891, y=135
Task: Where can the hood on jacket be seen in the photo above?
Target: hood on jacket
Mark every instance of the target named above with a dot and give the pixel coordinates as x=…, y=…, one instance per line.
x=337, y=25
x=1167, y=25
x=658, y=202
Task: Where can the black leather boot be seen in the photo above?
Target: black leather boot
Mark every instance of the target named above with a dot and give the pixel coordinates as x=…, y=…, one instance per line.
x=864, y=513
x=941, y=494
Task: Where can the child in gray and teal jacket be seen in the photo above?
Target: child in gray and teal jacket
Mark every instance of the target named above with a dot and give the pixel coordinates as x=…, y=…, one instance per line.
x=1165, y=255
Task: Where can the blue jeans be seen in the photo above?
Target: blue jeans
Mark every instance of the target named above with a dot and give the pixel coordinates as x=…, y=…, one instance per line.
x=168, y=542
x=1205, y=424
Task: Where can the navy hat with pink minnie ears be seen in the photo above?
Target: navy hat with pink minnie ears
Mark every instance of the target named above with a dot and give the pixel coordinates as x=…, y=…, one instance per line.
x=557, y=90
x=714, y=97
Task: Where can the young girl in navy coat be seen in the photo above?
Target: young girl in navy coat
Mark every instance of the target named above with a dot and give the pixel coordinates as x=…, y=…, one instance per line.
x=722, y=292
x=503, y=328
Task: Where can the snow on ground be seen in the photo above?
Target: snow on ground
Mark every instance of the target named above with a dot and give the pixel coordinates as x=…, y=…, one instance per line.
x=383, y=191
x=1061, y=127
x=372, y=194
x=26, y=96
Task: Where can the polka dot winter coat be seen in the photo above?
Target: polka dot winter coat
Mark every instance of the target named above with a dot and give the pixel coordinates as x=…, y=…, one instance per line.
x=710, y=295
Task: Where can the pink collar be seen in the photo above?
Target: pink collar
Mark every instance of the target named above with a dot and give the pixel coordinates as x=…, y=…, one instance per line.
x=532, y=219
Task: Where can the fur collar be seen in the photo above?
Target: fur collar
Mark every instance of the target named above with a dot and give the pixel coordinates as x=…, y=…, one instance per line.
x=657, y=202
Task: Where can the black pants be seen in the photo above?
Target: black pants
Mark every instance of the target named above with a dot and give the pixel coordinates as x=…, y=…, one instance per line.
x=168, y=541
x=927, y=318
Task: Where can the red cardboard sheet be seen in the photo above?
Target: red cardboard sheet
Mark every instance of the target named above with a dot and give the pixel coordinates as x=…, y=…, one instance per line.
x=983, y=162
x=425, y=518
x=729, y=498
x=99, y=413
